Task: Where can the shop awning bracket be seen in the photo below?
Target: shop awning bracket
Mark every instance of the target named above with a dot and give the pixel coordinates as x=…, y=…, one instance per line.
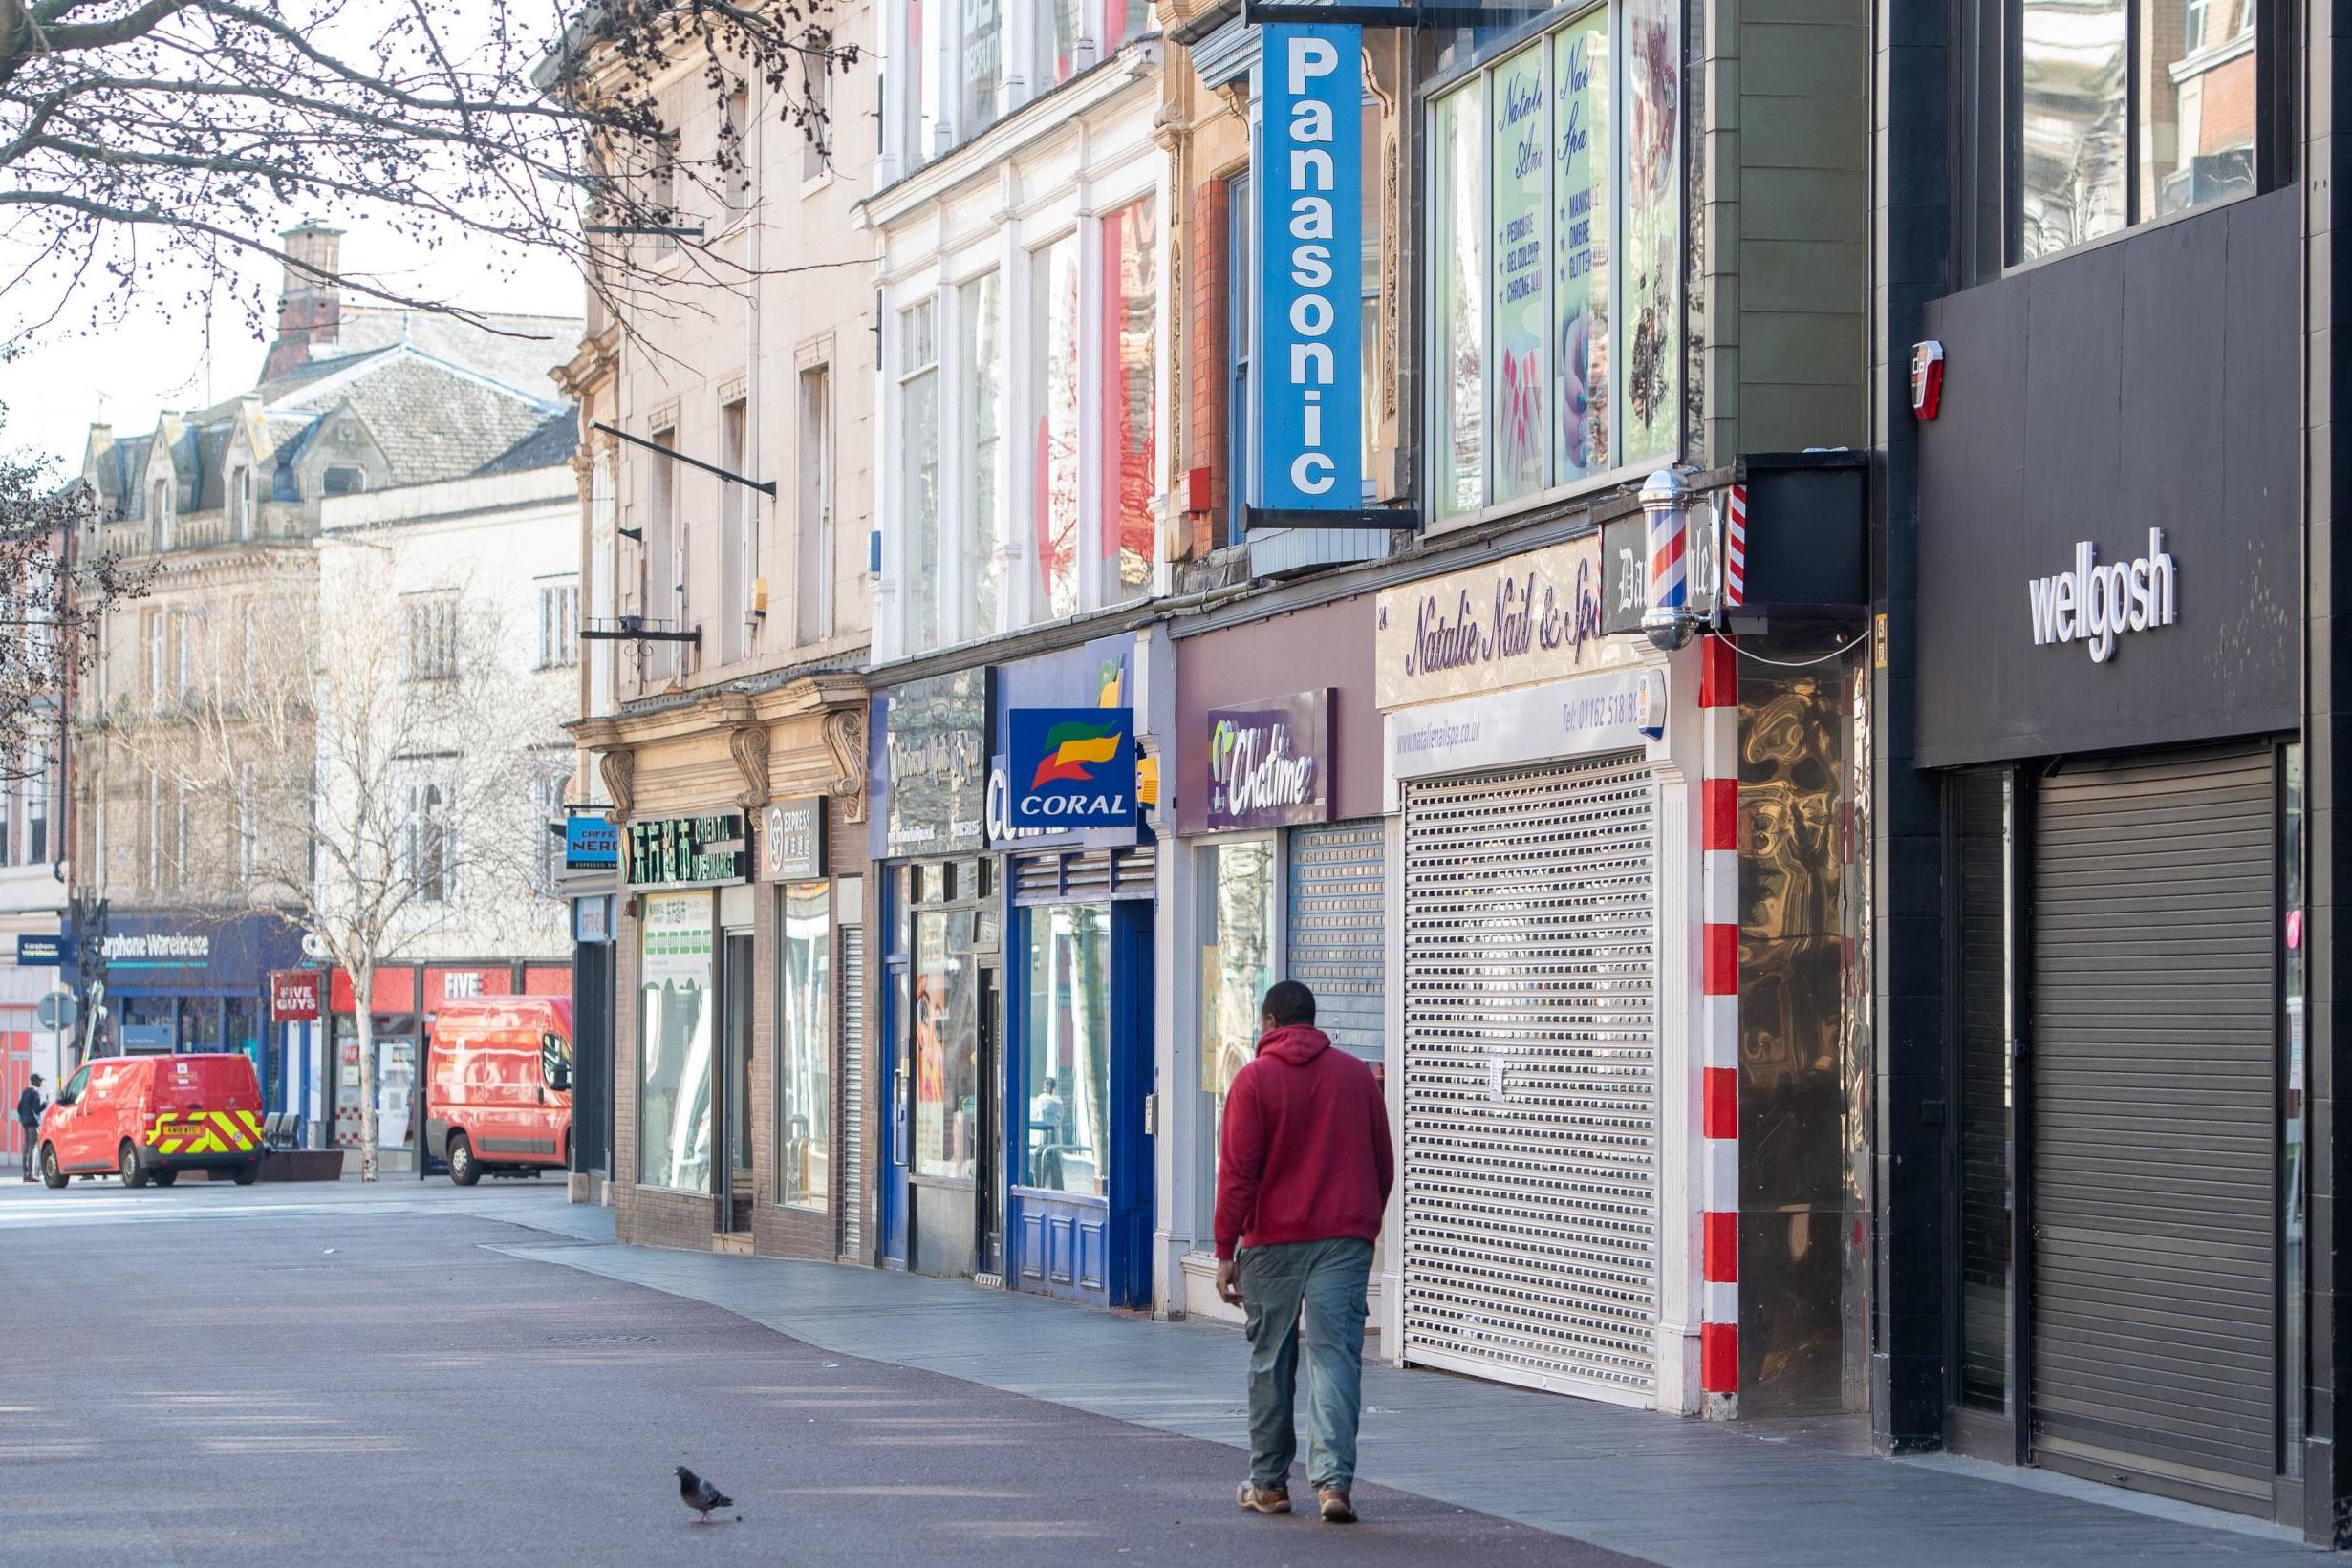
x=766, y=487
x=636, y=629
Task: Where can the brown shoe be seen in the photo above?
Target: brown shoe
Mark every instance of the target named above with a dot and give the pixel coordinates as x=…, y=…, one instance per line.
x=1336, y=1508
x=1271, y=1500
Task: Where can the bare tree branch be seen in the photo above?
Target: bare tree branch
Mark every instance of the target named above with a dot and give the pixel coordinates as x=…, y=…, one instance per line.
x=209, y=125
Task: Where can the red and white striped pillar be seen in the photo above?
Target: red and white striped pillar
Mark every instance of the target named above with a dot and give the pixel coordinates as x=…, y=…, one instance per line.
x=1719, y=1029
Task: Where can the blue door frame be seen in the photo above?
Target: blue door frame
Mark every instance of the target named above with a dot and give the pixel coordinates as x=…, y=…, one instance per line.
x=890, y=1195
x=1095, y=1249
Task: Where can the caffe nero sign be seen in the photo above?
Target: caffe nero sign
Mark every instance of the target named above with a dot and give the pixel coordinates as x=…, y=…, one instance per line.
x=1269, y=762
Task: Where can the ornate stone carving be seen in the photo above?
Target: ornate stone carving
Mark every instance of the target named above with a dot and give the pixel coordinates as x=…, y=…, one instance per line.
x=620, y=768
x=845, y=737
x=748, y=746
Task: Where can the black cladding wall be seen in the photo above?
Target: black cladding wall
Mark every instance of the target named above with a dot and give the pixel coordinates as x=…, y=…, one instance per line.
x=2147, y=383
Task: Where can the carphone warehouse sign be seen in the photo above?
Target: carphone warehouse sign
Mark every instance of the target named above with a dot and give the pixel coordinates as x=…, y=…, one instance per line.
x=1311, y=230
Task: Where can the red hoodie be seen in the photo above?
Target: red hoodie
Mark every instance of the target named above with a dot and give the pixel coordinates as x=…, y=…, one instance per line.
x=1305, y=1153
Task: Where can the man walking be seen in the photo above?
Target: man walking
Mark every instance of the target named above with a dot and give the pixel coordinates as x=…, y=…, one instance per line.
x=1303, y=1177
x=29, y=1117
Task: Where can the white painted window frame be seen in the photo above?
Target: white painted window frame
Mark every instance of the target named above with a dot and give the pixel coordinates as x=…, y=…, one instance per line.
x=1011, y=249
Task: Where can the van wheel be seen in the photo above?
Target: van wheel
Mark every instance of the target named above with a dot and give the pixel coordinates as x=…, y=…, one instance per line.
x=52, y=1176
x=247, y=1174
x=134, y=1175
x=463, y=1169
x=165, y=1177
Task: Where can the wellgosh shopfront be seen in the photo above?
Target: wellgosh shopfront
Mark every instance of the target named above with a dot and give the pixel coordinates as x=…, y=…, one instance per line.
x=2109, y=686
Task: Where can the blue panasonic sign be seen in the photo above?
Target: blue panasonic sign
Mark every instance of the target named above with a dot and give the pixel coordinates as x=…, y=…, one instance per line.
x=1310, y=233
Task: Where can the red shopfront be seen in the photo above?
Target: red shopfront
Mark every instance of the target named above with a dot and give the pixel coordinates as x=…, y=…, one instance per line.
x=404, y=998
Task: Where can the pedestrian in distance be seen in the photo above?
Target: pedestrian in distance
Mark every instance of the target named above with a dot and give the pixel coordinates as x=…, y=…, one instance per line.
x=1303, y=1176
x=29, y=1117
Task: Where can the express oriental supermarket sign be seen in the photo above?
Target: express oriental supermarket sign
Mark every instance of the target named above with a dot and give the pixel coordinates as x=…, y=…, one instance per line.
x=1311, y=331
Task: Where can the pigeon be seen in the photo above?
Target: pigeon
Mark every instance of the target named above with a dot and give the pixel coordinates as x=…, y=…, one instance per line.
x=699, y=1495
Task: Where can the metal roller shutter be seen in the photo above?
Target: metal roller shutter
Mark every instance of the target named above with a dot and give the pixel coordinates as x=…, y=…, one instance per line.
x=852, y=991
x=1334, y=943
x=1077, y=876
x=2155, y=1138
x=1531, y=1076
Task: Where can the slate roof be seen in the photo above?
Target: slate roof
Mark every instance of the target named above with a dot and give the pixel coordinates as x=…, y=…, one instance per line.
x=441, y=398
x=434, y=423
x=516, y=351
x=119, y=473
x=550, y=446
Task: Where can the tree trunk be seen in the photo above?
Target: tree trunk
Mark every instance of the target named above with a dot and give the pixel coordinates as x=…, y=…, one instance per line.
x=362, y=1001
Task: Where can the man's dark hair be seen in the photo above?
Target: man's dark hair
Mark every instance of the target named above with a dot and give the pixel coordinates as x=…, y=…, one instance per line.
x=37, y=1081
x=1288, y=1002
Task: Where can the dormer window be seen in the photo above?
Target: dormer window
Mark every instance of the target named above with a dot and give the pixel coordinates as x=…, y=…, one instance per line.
x=159, y=514
x=346, y=481
x=241, y=502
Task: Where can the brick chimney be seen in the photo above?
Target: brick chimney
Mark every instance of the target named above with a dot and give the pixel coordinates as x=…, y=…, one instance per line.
x=309, y=300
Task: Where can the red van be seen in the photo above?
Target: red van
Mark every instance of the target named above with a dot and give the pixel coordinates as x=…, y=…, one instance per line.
x=498, y=1085
x=148, y=1118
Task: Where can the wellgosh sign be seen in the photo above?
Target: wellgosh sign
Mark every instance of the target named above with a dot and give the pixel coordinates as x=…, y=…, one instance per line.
x=2096, y=602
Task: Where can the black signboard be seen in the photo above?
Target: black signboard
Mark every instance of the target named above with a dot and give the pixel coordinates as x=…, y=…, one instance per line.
x=688, y=851
x=1624, y=573
x=936, y=756
x=792, y=840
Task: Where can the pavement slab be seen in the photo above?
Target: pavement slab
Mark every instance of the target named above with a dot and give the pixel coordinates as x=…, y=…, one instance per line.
x=348, y=1374
x=381, y=1385
x=1678, y=1492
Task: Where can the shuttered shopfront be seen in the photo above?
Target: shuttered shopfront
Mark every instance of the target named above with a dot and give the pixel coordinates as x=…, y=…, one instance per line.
x=1530, y=1061
x=1333, y=937
x=852, y=985
x=2155, y=1161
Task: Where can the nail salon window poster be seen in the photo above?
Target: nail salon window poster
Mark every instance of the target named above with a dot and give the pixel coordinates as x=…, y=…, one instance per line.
x=1581, y=223
x=1652, y=229
x=1519, y=120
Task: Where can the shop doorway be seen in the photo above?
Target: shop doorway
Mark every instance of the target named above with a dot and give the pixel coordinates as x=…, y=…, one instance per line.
x=2129, y=1199
x=1080, y=1054
x=734, y=1191
x=988, y=1244
x=947, y=1086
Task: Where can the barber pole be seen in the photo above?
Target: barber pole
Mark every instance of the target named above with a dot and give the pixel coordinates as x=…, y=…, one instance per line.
x=1736, y=549
x=1669, y=582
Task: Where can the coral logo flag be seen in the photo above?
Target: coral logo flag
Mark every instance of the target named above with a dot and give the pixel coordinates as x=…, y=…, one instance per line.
x=1073, y=744
x=1071, y=768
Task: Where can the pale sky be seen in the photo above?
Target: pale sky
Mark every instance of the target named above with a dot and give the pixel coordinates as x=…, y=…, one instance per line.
x=159, y=357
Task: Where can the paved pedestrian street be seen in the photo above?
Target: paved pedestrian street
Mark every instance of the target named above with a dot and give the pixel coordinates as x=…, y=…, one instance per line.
x=407, y=1372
